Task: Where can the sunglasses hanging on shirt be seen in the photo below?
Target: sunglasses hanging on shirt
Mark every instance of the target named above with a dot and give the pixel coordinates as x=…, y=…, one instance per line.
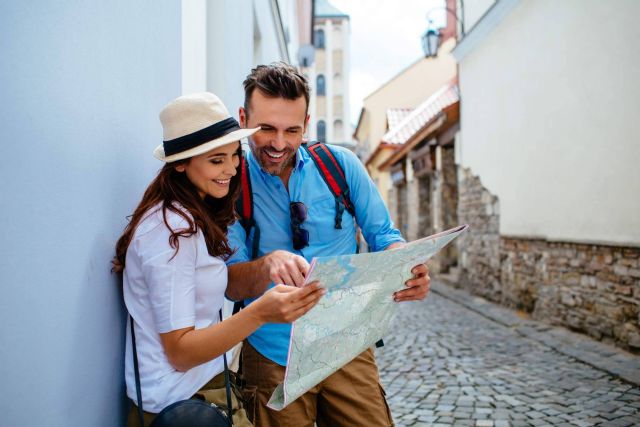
x=298, y=215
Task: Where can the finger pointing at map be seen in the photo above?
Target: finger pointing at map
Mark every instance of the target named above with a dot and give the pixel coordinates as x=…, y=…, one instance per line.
x=356, y=310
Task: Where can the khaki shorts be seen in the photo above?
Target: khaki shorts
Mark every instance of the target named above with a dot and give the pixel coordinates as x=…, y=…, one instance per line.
x=352, y=396
x=213, y=392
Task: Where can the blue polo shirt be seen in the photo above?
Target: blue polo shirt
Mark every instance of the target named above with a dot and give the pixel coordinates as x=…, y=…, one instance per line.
x=271, y=212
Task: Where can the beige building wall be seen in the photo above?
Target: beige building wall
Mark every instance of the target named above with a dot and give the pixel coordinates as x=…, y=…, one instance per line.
x=549, y=119
x=406, y=90
x=333, y=63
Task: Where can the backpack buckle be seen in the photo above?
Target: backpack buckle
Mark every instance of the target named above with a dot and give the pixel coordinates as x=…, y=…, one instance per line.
x=339, y=212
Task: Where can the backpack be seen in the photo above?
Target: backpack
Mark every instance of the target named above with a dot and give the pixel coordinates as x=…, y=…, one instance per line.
x=331, y=172
x=333, y=175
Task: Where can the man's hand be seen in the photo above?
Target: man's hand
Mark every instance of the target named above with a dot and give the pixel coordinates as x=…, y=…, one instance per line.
x=285, y=267
x=418, y=287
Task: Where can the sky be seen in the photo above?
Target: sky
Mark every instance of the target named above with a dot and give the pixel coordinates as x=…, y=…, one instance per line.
x=385, y=39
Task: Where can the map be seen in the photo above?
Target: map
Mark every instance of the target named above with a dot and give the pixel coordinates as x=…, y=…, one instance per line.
x=355, y=312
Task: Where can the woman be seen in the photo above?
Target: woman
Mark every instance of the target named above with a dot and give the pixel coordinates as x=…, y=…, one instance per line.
x=172, y=257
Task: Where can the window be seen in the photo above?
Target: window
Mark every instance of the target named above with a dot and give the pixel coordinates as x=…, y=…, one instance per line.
x=322, y=131
x=318, y=39
x=320, y=89
x=337, y=130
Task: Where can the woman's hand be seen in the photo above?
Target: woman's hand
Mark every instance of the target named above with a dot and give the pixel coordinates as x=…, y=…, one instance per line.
x=284, y=304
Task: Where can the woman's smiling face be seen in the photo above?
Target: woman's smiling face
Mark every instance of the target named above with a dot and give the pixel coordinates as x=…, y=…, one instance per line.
x=212, y=171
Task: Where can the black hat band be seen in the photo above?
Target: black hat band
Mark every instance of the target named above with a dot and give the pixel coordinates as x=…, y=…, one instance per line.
x=207, y=134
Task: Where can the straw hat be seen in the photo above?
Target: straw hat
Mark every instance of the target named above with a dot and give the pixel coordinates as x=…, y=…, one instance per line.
x=194, y=124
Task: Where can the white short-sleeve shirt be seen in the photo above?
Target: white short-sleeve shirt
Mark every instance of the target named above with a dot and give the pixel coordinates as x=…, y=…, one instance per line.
x=165, y=291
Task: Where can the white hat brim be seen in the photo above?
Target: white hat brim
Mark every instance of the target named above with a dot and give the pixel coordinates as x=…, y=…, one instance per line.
x=234, y=136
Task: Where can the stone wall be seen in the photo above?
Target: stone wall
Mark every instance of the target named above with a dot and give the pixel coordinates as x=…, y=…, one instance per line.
x=449, y=204
x=589, y=288
x=425, y=227
x=479, y=246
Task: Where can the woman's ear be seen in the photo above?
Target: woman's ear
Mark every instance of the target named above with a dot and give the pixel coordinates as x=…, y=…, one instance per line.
x=181, y=167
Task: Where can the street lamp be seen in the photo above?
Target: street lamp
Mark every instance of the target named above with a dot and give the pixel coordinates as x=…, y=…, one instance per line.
x=432, y=37
x=430, y=42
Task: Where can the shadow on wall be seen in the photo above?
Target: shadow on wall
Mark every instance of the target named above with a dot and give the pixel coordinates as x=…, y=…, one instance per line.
x=100, y=297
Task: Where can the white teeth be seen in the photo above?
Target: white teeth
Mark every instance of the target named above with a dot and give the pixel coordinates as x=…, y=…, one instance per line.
x=273, y=154
x=222, y=181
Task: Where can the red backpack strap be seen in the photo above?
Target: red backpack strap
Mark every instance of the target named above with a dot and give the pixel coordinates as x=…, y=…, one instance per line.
x=244, y=206
x=334, y=177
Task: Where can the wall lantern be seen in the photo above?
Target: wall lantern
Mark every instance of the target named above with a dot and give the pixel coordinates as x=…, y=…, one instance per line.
x=432, y=37
x=431, y=42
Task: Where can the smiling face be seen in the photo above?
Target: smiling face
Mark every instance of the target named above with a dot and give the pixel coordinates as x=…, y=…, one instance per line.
x=212, y=171
x=282, y=123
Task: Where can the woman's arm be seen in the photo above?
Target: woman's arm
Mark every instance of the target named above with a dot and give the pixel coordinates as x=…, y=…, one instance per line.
x=189, y=347
x=250, y=279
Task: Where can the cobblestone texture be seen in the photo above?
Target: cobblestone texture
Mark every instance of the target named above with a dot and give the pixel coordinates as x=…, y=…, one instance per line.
x=445, y=364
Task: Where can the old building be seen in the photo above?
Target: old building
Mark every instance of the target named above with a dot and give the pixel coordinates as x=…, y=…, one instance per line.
x=423, y=197
x=548, y=152
x=396, y=98
x=329, y=77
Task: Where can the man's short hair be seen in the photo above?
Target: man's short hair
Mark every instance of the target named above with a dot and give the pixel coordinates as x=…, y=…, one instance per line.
x=276, y=80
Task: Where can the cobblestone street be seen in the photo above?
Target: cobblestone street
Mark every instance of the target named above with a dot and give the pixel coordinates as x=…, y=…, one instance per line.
x=445, y=364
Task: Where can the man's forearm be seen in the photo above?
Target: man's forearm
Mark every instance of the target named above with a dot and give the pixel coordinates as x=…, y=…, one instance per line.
x=247, y=280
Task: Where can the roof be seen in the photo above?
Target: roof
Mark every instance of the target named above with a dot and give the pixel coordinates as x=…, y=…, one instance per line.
x=324, y=9
x=415, y=121
x=395, y=116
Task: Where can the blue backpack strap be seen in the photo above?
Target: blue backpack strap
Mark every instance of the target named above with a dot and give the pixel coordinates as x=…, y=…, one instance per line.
x=334, y=177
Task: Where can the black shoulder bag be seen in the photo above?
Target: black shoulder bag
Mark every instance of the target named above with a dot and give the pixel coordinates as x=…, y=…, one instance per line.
x=188, y=412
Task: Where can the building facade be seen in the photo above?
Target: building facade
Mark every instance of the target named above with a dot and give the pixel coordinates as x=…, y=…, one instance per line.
x=82, y=85
x=396, y=98
x=424, y=193
x=329, y=77
x=547, y=156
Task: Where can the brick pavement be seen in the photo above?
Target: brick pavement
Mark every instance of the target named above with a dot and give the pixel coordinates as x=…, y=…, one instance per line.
x=448, y=363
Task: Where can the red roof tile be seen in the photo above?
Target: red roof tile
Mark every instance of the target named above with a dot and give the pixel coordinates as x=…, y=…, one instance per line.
x=395, y=116
x=413, y=122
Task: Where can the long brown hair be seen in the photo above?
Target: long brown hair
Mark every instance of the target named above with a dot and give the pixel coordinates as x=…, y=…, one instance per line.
x=212, y=216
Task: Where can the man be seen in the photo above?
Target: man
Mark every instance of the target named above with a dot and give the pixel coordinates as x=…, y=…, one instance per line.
x=277, y=100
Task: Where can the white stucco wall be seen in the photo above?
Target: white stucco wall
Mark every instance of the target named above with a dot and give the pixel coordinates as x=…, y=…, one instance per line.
x=550, y=99
x=473, y=11
x=223, y=40
x=81, y=85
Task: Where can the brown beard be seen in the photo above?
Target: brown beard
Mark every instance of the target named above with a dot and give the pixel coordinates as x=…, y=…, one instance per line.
x=257, y=155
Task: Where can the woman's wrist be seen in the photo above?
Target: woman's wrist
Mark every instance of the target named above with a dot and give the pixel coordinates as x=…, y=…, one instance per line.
x=254, y=313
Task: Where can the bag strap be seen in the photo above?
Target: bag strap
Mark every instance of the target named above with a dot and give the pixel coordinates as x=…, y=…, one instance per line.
x=244, y=207
x=137, y=373
x=136, y=370
x=334, y=177
x=227, y=380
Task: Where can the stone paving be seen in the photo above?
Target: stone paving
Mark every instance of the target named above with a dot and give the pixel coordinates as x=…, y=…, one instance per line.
x=444, y=364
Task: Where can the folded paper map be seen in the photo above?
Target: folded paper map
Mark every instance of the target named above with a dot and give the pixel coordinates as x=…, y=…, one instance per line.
x=354, y=313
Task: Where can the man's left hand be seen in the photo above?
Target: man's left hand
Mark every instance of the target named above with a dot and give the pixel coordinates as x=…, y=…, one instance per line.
x=418, y=286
